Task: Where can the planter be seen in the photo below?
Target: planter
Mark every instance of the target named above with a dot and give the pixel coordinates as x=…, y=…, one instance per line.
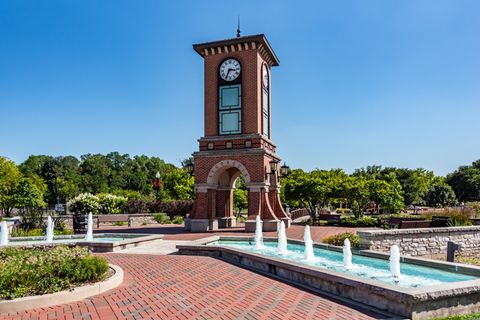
x=62, y=297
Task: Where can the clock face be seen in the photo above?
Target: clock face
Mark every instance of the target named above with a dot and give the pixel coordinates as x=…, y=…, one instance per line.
x=230, y=70
x=265, y=76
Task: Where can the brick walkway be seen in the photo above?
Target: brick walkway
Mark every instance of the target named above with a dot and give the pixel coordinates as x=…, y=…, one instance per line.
x=184, y=287
x=173, y=232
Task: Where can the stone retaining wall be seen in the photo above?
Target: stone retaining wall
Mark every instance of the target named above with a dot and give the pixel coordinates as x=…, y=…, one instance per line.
x=137, y=219
x=421, y=242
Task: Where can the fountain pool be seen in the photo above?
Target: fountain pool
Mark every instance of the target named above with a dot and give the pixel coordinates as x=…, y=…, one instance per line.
x=412, y=276
x=107, y=242
x=425, y=288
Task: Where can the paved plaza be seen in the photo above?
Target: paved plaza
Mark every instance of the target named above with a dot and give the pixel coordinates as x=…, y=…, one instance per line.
x=177, y=232
x=159, y=284
x=184, y=287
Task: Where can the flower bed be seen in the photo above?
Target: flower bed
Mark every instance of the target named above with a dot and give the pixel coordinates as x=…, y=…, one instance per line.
x=42, y=270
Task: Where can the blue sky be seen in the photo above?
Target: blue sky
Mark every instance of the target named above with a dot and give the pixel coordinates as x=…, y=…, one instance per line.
x=394, y=83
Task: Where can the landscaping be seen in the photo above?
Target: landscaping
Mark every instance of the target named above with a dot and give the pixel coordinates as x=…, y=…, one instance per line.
x=42, y=270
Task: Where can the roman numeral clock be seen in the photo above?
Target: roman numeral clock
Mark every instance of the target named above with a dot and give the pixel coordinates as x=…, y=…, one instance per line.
x=237, y=136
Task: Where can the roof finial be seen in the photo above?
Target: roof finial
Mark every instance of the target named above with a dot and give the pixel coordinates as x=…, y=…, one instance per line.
x=238, y=27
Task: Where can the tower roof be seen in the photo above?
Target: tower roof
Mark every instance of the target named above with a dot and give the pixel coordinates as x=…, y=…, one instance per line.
x=258, y=41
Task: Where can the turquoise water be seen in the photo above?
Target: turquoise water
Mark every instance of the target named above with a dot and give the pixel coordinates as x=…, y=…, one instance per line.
x=377, y=269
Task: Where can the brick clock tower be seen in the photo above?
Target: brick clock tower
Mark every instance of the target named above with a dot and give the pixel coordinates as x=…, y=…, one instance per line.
x=237, y=139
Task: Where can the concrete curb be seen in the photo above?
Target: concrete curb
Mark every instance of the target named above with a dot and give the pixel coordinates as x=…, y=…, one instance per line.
x=63, y=297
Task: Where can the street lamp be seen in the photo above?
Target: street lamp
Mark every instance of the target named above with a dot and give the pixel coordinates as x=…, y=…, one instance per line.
x=284, y=169
x=273, y=165
x=158, y=184
x=273, y=169
x=190, y=167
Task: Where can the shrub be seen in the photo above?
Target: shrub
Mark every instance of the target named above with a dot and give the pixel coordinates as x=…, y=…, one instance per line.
x=475, y=206
x=343, y=210
x=136, y=206
x=32, y=218
x=110, y=204
x=172, y=208
x=459, y=220
x=364, y=221
x=42, y=270
x=161, y=218
x=338, y=239
x=458, y=217
x=84, y=203
x=129, y=194
x=19, y=232
x=177, y=220
x=37, y=232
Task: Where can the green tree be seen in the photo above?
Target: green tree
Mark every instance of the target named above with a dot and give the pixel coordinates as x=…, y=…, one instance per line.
x=95, y=173
x=60, y=175
x=240, y=201
x=465, y=182
x=357, y=191
x=29, y=193
x=441, y=195
x=312, y=190
x=415, y=183
x=17, y=191
x=10, y=178
x=179, y=184
x=394, y=202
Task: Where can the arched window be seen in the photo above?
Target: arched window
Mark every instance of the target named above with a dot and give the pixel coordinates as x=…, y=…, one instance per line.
x=266, y=101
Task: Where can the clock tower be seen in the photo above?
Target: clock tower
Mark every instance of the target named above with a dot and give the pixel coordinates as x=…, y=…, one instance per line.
x=238, y=136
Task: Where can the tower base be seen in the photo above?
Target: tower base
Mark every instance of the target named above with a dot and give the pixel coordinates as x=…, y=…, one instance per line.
x=267, y=225
x=201, y=225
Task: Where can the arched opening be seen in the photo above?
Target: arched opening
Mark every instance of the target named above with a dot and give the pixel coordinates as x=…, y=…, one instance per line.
x=228, y=193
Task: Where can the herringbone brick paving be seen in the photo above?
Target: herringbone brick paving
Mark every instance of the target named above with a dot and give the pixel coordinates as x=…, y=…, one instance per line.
x=184, y=287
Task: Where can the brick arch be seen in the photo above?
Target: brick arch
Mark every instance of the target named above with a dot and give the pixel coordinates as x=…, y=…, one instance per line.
x=221, y=166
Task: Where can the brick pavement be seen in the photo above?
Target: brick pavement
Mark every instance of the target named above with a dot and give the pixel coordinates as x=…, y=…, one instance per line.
x=184, y=287
x=173, y=232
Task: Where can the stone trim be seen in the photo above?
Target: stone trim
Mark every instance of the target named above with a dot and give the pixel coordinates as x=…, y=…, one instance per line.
x=238, y=152
x=217, y=168
x=203, y=187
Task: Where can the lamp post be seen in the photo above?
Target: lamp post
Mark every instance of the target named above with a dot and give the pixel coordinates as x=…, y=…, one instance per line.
x=284, y=170
x=190, y=167
x=158, y=184
x=273, y=171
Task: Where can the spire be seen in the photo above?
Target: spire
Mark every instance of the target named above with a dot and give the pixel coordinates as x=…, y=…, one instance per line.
x=238, y=27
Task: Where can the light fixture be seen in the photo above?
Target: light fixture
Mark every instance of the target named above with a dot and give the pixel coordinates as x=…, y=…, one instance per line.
x=284, y=169
x=190, y=167
x=273, y=165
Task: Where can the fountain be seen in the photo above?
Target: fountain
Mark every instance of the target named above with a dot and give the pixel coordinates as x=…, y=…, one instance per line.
x=282, y=239
x=347, y=254
x=413, y=294
x=50, y=227
x=395, y=261
x=3, y=233
x=258, y=233
x=308, y=252
x=89, y=235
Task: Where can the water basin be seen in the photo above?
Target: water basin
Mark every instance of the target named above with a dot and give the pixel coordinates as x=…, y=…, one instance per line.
x=412, y=276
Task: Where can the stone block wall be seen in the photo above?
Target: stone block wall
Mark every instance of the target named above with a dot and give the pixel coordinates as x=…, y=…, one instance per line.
x=138, y=219
x=421, y=242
